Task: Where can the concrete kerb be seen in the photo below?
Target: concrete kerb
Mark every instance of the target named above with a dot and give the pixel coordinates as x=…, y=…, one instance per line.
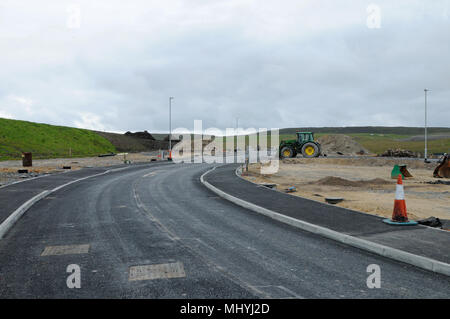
x=15, y=216
x=385, y=251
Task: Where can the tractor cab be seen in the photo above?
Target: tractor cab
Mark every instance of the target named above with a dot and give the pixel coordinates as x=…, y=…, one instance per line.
x=304, y=137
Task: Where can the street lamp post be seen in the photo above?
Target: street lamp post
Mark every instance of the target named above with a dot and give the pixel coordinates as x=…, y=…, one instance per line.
x=170, y=128
x=426, y=92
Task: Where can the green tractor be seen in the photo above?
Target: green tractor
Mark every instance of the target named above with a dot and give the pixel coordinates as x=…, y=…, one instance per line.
x=304, y=144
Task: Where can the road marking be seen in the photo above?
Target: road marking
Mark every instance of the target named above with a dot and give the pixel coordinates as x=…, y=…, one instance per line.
x=149, y=174
x=153, y=173
x=67, y=225
x=151, y=217
x=201, y=242
x=159, y=271
x=65, y=250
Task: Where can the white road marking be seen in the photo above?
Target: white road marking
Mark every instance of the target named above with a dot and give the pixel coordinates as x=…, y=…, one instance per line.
x=154, y=172
x=149, y=174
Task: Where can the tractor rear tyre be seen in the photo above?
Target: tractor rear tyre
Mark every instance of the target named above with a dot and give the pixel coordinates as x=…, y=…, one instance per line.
x=287, y=152
x=310, y=150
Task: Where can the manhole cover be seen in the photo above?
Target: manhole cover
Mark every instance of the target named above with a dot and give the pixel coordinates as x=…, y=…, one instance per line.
x=65, y=250
x=150, y=272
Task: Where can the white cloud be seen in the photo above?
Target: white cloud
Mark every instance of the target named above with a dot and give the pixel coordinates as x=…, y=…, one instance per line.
x=270, y=63
x=89, y=121
x=6, y=115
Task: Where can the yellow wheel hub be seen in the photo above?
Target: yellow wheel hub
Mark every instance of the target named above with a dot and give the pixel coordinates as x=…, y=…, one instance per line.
x=309, y=150
x=286, y=153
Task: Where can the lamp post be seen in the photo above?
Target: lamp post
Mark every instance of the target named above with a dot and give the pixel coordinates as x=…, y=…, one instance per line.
x=426, y=92
x=170, y=128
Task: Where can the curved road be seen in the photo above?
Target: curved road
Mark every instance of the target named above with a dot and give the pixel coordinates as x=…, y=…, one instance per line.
x=162, y=214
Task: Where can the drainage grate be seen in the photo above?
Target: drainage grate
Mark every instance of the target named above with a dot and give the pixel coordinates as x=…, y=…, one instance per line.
x=65, y=250
x=150, y=272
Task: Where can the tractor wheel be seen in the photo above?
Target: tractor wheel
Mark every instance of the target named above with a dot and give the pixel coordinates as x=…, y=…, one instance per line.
x=310, y=150
x=287, y=152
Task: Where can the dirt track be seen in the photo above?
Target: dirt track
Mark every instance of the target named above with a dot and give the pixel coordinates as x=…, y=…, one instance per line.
x=364, y=183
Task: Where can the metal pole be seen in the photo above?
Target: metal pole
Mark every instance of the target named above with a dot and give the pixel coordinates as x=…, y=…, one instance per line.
x=170, y=127
x=426, y=91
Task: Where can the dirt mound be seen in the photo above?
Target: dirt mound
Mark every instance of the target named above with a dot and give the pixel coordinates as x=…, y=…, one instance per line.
x=132, y=143
x=144, y=135
x=399, y=153
x=339, y=143
x=338, y=181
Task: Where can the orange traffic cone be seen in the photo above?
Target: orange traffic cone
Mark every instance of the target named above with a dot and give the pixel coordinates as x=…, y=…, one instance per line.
x=399, y=215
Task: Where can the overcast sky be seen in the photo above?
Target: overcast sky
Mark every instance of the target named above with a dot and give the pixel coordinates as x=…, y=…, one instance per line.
x=112, y=64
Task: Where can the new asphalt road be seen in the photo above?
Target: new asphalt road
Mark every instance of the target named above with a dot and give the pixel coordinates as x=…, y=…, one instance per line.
x=154, y=231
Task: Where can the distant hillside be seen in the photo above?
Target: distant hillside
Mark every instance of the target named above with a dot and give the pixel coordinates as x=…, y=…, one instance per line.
x=378, y=139
x=399, y=130
x=48, y=141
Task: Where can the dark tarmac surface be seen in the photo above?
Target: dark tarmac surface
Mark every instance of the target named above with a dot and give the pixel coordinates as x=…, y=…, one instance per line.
x=161, y=214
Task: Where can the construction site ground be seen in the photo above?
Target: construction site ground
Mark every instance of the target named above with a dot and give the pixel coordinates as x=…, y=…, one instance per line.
x=365, y=184
x=9, y=169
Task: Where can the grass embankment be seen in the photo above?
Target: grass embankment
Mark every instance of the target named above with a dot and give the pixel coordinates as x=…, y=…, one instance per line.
x=48, y=141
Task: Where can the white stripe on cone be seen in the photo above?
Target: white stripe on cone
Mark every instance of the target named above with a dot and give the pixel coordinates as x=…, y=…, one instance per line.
x=399, y=192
